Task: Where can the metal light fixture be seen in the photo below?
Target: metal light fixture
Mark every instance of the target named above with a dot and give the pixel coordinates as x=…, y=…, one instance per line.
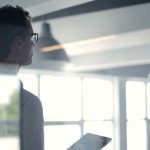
x=46, y=40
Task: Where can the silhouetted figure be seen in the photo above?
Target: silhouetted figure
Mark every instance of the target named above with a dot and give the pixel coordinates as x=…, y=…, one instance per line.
x=16, y=42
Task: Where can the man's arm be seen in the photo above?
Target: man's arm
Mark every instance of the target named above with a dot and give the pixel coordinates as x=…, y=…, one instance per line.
x=33, y=134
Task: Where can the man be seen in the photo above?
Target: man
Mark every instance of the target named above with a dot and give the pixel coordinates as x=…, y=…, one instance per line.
x=16, y=42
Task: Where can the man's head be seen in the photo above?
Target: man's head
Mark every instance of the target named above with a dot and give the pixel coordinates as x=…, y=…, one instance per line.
x=16, y=35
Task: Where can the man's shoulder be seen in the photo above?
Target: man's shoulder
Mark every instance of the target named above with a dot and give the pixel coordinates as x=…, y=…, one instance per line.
x=28, y=94
x=29, y=99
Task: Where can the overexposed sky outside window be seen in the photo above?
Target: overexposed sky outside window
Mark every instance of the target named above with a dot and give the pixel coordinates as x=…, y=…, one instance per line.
x=30, y=82
x=7, y=85
x=61, y=98
x=97, y=99
x=135, y=98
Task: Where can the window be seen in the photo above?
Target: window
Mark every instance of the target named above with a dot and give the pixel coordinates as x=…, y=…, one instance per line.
x=30, y=82
x=61, y=98
x=78, y=105
x=136, y=135
x=97, y=99
x=98, y=106
x=135, y=98
x=9, y=112
x=75, y=105
x=136, y=115
x=60, y=137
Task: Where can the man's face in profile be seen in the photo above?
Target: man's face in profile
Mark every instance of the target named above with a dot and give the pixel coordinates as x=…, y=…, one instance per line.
x=27, y=47
x=22, y=48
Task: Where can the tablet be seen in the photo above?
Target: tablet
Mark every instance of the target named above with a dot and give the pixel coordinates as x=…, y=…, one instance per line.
x=90, y=142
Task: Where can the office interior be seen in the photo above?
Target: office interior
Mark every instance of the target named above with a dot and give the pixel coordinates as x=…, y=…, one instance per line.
x=91, y=70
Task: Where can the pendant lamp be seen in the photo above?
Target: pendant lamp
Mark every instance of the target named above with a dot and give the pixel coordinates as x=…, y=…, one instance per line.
x=47, y=41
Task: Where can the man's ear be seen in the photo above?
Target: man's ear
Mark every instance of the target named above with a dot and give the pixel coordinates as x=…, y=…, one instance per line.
x=16, y=50
x=17, y=43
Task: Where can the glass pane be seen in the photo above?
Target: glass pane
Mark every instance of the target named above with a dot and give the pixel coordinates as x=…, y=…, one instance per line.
x=103, y=128
x=136, y=135
x=30, y=82
x=148, y=100
x=97, y=99
x=61, y=98
x=60, y=137
x=135, y=98
x=9, y=112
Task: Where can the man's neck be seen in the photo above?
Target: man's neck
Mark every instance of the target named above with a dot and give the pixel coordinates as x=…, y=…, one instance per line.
x=7, y=68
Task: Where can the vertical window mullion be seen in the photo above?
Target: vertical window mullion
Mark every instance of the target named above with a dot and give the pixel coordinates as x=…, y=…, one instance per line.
x=120, y=125
x=147, y=120
x=82, y=121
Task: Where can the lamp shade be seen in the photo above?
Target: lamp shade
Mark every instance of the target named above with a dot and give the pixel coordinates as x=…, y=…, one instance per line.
x=46, y=40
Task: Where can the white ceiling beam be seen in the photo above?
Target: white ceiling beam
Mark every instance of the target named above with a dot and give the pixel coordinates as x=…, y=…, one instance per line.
x=112, y=59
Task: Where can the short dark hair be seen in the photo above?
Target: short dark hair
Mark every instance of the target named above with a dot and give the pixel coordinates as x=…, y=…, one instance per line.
x=13, y=21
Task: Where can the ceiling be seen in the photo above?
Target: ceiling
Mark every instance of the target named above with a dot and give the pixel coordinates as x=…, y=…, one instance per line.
x=23, y=3
x=99, y=36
